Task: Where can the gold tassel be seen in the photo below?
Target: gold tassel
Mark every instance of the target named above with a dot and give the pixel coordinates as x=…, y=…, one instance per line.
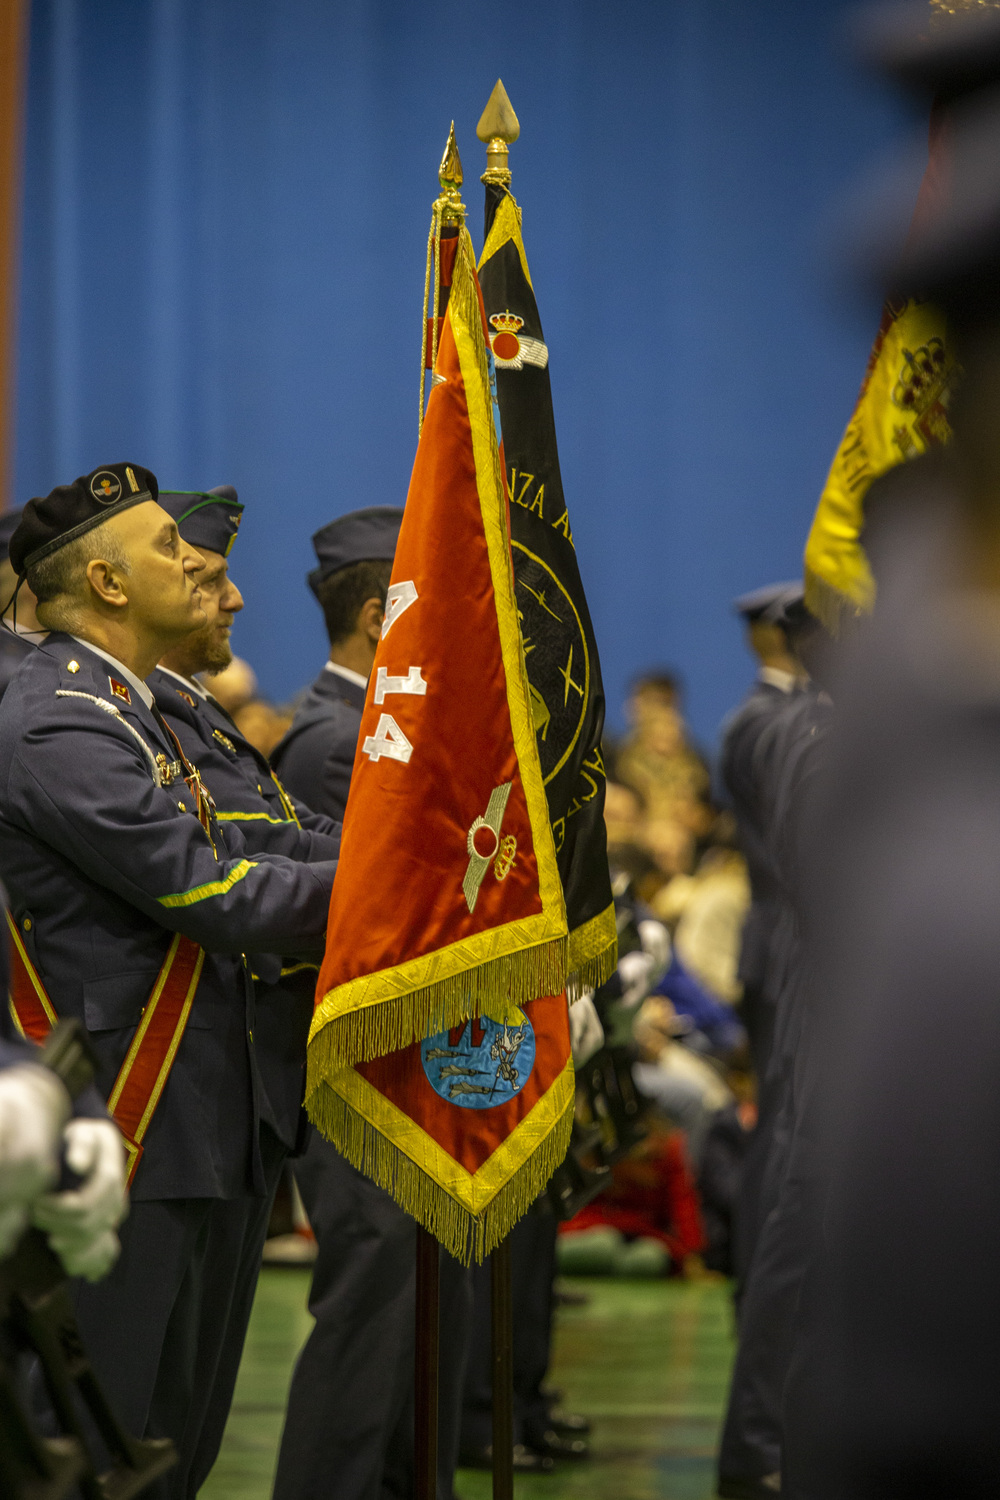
x=466, y=1236
x=591, y=954
x=496, y=989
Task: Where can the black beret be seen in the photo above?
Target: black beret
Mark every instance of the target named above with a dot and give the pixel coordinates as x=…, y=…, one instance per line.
x=948, y=55
x=360, y=536
x=9, y=522
x=74, y=509
x=205, y=518
x=767, y=603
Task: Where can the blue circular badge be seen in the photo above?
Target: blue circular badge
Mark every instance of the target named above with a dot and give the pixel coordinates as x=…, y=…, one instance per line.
x=482, y=1063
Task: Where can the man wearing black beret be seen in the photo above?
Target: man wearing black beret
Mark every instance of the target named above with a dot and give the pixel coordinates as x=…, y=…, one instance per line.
x=248, y=796
x=133, y=907
x=350, y=1408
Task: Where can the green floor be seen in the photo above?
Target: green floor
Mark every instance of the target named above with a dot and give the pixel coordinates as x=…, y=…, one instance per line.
x=646, y=1361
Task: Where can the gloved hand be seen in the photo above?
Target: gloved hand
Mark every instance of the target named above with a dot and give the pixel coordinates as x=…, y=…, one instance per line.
x=34, y=1106
x=655, y=941
x=585, y=1030
x=81, y=1222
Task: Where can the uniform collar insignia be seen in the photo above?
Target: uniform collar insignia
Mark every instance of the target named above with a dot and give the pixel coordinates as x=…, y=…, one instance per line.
x=188, y=697
x=119, y=690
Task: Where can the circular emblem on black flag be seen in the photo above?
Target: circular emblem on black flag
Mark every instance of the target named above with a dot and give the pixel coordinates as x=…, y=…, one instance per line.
x=106, y=487
x=480, y=1063
x=556, y=656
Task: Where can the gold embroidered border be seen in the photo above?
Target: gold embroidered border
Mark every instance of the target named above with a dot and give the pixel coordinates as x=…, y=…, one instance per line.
x=592, y=953
x=470, y=1213
x=470, y=342
x=506, y=226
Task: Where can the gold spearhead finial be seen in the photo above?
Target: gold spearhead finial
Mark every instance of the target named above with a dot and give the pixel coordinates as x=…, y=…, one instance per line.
x=450, y=178
x=499, y=128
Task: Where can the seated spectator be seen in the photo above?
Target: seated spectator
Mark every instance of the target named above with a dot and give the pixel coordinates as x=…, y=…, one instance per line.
x=646, y=1222
x=706, y=912
x=262, y=724
x=679, y=1082
x=624, y=813
x=234, y=686
x=658, y=759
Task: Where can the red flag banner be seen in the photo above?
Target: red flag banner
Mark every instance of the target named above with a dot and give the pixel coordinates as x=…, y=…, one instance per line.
x=465, y=1128
x=447, y=903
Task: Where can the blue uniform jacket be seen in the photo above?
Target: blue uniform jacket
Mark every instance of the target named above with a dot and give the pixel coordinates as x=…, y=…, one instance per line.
x=13, y=650
x=246, y=795
x=316, y=757
x=743, y=771
x=102, y=863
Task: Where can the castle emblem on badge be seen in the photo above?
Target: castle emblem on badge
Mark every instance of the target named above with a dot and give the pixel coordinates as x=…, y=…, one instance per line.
x=480, y=1063
x=512, y=350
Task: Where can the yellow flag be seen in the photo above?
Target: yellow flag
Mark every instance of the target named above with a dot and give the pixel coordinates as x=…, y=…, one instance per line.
x=902, y=410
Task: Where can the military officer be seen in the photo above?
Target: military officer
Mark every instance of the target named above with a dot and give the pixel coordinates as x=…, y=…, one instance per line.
x=779, y=674
x=133, y=908
x=350, y=1408
x=247, y=796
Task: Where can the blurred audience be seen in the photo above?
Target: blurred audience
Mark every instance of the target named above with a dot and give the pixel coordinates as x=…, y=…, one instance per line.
x=256, y=719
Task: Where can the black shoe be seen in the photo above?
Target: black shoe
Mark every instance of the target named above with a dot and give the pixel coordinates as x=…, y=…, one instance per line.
x=526, y=1460
x=558, y=1445
x=732, y=1487
x=569, y=1424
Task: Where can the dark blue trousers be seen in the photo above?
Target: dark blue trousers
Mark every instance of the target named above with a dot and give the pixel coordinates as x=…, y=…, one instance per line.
x=349, y=1425
x=532, y=1273
x=751, y=1444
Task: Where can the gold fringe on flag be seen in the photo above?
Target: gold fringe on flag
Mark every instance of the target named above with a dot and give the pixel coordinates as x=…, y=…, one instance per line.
x=468, y=1214
x=592, y=954
x=426, y=995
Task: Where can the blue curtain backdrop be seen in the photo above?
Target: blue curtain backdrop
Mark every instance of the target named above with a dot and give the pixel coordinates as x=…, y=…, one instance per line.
x=226, y=209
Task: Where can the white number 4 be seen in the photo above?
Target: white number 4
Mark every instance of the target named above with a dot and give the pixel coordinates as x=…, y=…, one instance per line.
x=388, y=740
x=398, y=601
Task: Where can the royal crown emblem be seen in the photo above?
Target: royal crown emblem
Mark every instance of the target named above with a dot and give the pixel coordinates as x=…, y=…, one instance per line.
x=923, y=392
x=512, y=350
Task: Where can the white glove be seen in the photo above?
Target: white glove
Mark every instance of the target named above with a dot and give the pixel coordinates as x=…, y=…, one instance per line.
x=34, y=1106
x=585, y=1029
x=655, y=941
x=81, y=1223
x=635, y=970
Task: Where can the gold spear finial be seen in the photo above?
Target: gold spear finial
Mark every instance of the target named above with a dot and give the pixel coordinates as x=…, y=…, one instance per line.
x=450, y=178
x=499, y=128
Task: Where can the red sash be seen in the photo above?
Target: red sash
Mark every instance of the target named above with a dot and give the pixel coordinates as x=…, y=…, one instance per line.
x=144, y=1073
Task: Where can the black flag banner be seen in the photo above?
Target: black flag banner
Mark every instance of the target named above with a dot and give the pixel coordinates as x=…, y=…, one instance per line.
x=564, y=673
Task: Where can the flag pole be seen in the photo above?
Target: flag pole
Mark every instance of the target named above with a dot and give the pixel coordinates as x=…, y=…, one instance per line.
x=425, y=1390
x=448, y=216
x=502, y=1347
x=498, y=127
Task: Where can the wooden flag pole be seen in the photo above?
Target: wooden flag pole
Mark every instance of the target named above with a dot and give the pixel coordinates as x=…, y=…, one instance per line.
x=428, y=1332
x=499, y=128
x=503, y=1372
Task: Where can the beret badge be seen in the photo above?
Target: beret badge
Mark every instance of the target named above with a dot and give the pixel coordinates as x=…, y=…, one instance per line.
x=106, y=487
